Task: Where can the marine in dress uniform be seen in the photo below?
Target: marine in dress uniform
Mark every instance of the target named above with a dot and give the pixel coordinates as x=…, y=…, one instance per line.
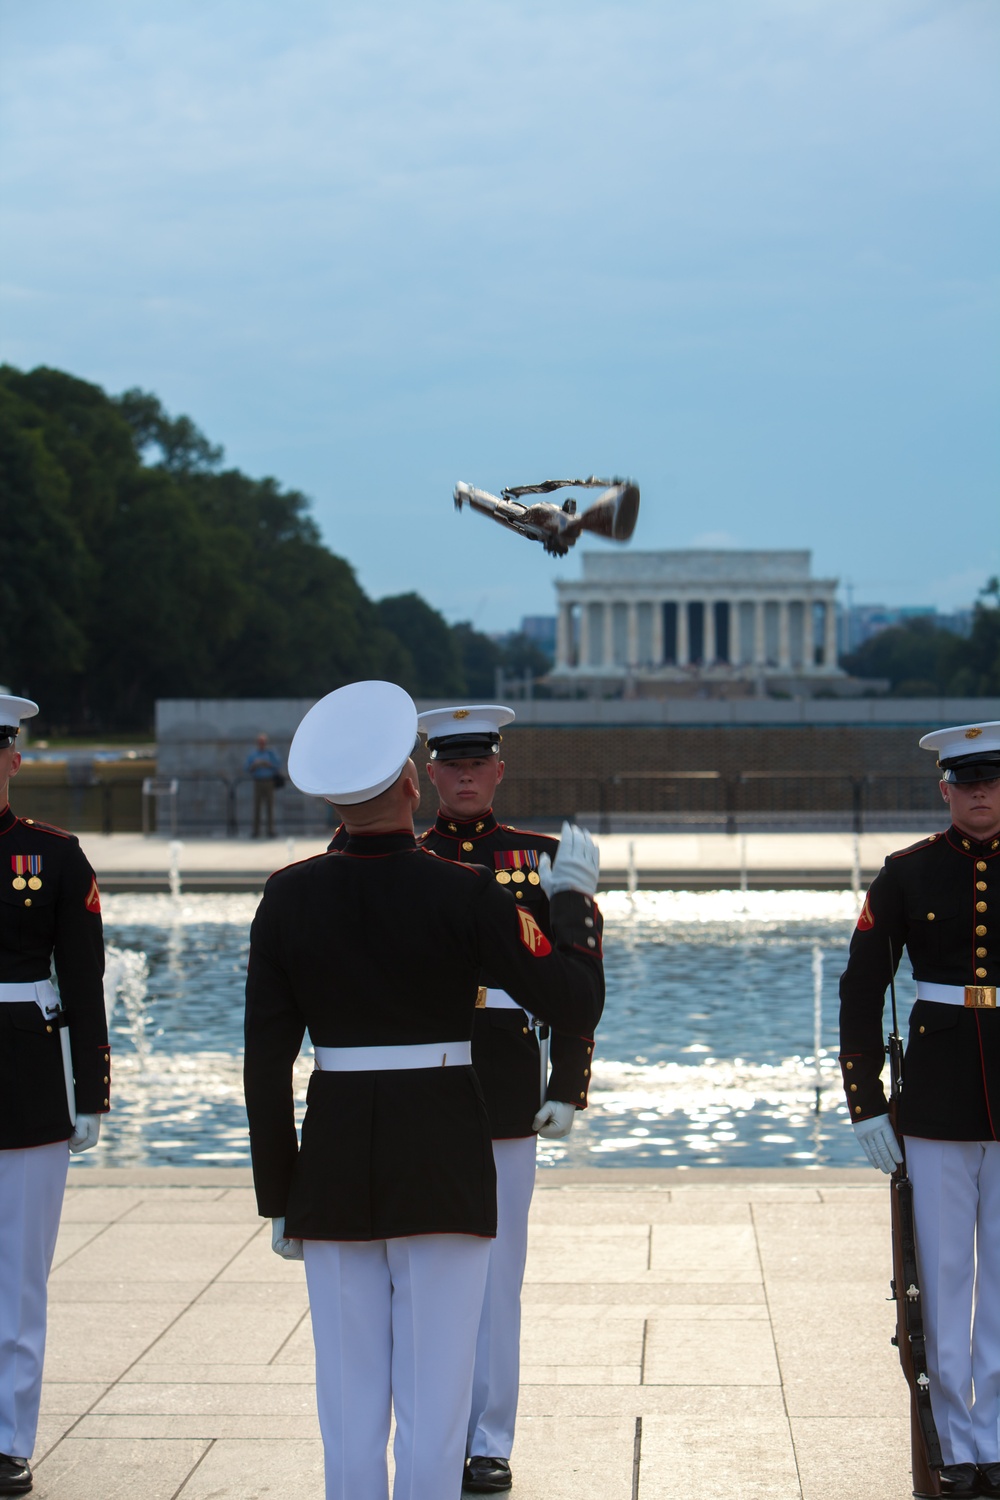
x=464, y=763
x=940, y=899
x=54, y=1079
x=377, y=949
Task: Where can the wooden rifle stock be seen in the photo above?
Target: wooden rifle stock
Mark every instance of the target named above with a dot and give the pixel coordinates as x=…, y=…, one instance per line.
x=925, y=1448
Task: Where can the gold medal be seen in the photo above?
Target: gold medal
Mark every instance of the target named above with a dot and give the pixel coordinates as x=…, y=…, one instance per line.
x=19, y=882
x=502, y=875
x=534, y=878
x=34, y=884
x=518, y=877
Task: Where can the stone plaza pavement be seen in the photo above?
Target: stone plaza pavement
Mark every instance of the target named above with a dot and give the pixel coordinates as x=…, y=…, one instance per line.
x=720, y=1335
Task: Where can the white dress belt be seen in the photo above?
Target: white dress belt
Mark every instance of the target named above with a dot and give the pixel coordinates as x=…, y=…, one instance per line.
x=379, y=1059
x=39, y=992
x=943, y=994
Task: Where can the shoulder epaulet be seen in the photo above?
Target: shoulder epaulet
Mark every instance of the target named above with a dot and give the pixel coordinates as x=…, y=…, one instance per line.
x=531, y=832
x=932, y=838
x=37, y=827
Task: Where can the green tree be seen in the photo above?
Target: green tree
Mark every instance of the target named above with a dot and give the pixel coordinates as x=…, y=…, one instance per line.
x=978, y=662
x=480, y=658
x=918, y=658
x=436, y=669
x=125, y=580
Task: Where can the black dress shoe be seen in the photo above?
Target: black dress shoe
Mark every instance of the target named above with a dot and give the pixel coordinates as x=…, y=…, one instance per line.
x=989, y=1481
x=487, y=1476
x=15, y=1476
x=961, y=1481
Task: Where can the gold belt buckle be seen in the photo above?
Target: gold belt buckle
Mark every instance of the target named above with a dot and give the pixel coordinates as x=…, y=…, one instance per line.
x=481, y=998
x=981, y=996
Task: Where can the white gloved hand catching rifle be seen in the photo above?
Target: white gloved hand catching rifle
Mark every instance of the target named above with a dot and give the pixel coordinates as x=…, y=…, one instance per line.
x=554, y=1119
x=281, y=1244
x=879, y=1142
x=86, y=1133
x=577, y=864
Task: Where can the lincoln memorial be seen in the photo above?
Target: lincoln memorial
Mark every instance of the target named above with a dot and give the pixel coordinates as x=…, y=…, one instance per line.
x=727, y=623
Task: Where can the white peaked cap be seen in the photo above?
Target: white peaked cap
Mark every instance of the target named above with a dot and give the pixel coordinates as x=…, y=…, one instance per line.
x=13, y=710
x=353, y=743
x=965, y=748
x=464, y=731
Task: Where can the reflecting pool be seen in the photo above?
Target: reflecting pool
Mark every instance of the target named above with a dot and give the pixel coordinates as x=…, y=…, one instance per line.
x=707, y=1054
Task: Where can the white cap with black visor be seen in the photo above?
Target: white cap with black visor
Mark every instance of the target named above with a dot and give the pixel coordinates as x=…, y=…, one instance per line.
x=464, y=733
x=12, y=711
x=966, y=752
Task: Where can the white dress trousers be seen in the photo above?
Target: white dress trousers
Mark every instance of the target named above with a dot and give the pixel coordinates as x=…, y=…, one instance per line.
x=956, y=1210
x=32, y=1183
x=498, y=1347
x=394, y=1325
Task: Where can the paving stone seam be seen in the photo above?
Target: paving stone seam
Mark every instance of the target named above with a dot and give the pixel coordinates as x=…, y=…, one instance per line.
x=209, y=1445
x=777, y=1355
x=184, y=1309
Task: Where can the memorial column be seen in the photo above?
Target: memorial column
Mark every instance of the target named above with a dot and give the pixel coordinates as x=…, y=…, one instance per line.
x=808, y=636
x=632, y=634
x=830, y=635
x=584, y=634
x=735, y=634
x=759, y=642
x=682, y=633
x=784, y=651
x=708, y=632
x=657, y=647
x=608, y=656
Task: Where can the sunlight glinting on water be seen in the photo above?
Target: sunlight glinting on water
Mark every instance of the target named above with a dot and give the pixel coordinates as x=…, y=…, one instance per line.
x=691, y=976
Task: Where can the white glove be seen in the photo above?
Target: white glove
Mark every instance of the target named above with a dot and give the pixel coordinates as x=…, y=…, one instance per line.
x=577, y=865
x=86, y=1133
x=286, y=1248
x=554, y=1119
x=879, y=1141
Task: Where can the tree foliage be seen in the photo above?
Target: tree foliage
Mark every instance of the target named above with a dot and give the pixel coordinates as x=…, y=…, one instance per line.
x=922, y=660
x=137, y=567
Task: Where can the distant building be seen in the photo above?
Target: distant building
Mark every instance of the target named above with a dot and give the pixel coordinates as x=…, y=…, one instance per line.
x=697, y=623
x=541, y=629
x=859, y=622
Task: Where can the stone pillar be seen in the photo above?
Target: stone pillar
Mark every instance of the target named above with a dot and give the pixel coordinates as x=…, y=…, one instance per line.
x=784, y=643
x=564, y=635
x=735, y=634
x=830, y=636
x=808, y=641
x=708, y=632
x=657, y=608
x=632, y=634
x=584, y=634
x=608, y=657
x=683, y=650
x=759, y=642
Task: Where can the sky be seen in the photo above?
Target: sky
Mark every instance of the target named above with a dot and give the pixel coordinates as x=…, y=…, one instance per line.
x=743, y=251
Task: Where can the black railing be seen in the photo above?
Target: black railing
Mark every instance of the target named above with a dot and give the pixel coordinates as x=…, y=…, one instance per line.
x=220, y=806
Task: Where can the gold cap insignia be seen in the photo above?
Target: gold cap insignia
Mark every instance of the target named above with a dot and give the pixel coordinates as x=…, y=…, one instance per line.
x=973, y=734
x=463, y=713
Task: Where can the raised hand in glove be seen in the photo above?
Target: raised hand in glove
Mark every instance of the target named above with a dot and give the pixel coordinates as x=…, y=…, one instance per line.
x=86, y=1133
x=577, y=865
x=879, y=1141
x=281, y=1245
x=554, y=1119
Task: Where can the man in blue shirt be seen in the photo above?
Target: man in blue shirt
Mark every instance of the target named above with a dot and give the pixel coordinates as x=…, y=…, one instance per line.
x=264, y=769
